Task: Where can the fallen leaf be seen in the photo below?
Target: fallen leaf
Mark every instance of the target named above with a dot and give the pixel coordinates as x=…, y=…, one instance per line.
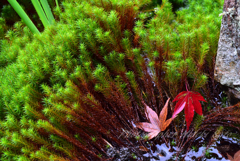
x=236, y=156
x=157, y=124
x=142, y=148
x=190, y=101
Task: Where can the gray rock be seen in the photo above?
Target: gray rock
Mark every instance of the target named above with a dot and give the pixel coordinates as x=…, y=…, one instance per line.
x=233, y=95
x=227, y=67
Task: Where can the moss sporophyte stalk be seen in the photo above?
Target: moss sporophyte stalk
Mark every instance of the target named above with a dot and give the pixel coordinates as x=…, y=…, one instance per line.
x=68, y=92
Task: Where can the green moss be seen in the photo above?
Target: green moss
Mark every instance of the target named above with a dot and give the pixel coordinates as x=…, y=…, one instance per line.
x=88, y=74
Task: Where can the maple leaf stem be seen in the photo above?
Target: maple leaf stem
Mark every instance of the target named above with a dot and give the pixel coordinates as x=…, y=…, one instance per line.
x=186, y=84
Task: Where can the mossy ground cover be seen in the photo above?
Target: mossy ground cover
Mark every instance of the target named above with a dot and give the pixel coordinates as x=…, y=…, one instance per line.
x=70, y=92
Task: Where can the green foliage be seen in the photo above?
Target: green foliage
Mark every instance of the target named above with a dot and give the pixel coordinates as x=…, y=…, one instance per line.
x=67, y=91
x=134, y=156
x=11, y=17
x=198, y=121
x=207, y=154
x=137, y=137
x=23, y=16
x=173, y=143
x=194, y=148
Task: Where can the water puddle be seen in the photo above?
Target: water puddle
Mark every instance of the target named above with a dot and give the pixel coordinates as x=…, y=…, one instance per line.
x=220, y=150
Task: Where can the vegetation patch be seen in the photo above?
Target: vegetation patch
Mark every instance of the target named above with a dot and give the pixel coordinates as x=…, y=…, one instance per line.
x=80, y=89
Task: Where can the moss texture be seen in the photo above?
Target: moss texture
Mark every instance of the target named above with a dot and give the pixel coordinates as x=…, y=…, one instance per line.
x=67, y=93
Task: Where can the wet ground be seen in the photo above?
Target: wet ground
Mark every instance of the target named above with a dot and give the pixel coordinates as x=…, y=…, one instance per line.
x=220, y=150
x=224, y=147
x=200, y=149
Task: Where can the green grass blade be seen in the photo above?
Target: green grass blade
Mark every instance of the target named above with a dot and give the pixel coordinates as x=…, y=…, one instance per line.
x=47, y=10
x=23, y=16
x=57, y=3
x=40, y=12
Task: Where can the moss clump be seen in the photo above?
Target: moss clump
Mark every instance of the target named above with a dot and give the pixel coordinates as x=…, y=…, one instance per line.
x=87, y=75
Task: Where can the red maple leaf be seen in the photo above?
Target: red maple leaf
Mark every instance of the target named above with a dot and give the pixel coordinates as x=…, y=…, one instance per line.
x=190, y=101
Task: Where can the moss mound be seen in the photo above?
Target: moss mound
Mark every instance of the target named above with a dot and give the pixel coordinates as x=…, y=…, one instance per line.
x=68, y=93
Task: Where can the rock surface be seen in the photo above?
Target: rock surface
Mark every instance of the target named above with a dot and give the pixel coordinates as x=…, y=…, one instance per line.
x=227, y=67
